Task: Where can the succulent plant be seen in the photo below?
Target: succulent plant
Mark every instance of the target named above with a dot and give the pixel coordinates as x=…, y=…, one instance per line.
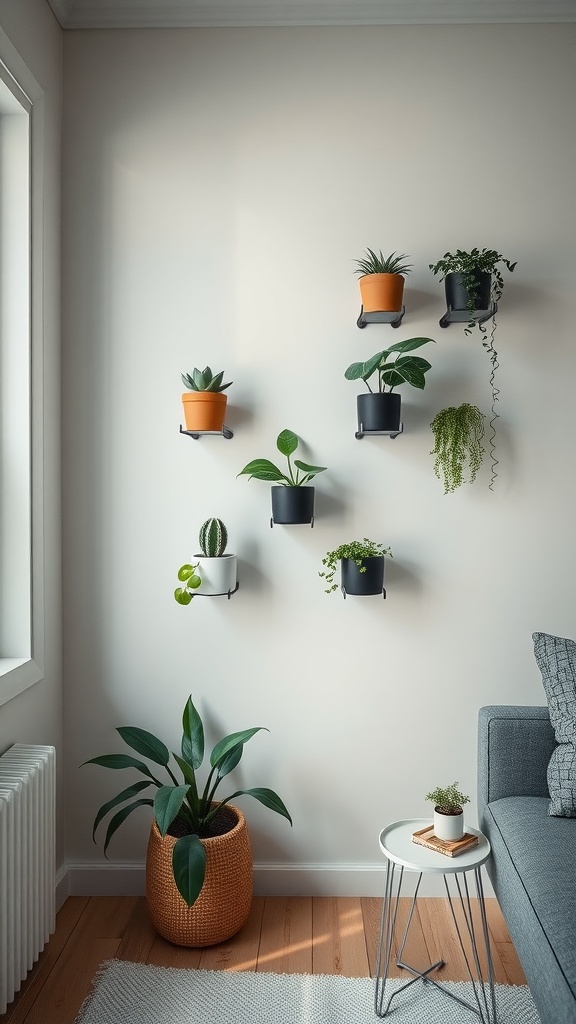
x=213, y=538
x=373, y=263
x=204, y=380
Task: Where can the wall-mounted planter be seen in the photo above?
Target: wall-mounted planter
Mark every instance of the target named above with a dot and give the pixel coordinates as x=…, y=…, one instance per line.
x=362, y=583
x=204, y=410
x=457, y=295
x=379, y=412
x=219, y=575
x=382, y=293
x=292, y=505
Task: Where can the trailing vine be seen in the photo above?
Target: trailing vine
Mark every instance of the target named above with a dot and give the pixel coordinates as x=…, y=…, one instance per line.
x=458, y=450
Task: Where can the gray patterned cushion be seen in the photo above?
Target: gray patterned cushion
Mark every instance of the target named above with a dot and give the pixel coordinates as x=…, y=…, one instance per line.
x=556, y=658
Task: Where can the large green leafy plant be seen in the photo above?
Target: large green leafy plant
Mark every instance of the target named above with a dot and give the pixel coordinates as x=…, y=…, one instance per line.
x=357, y=551
x=297, y=474
x=180, y=807
x=403, y=369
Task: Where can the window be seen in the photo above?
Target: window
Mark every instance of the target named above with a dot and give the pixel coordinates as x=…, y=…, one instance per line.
x=21, y=575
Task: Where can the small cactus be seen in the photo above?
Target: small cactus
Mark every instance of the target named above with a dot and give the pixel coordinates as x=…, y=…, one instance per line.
x=213, y=538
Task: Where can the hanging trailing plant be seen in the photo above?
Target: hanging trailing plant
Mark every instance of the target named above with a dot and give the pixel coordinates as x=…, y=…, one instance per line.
x=458, y=433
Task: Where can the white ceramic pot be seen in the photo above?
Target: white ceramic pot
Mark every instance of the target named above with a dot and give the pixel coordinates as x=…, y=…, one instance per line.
x=449, y=827
x=218, y=574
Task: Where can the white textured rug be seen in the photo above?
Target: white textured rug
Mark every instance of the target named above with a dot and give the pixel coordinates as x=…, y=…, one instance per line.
x=127, y=993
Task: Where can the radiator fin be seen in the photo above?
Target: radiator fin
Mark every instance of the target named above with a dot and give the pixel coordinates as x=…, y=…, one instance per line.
x=27, y=861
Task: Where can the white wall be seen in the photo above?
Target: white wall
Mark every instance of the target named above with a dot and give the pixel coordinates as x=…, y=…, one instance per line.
x=217, y=186
x=35, y=716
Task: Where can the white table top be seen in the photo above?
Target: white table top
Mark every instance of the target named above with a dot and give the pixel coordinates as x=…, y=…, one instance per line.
x=397, y=845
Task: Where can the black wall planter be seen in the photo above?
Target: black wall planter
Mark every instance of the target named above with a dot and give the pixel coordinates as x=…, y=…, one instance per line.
x=292, y=505
x=457, y=296
x=379, y=412
x=363, y=584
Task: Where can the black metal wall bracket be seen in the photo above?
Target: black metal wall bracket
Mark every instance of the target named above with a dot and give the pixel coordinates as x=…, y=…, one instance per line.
x=343, y=589
x=291, y=524
x=378, y=433
x=394, y=319
x=225, y=432
x=465, y=316
x=226, y=593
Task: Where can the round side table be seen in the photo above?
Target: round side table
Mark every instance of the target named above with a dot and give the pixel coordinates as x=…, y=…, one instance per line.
x=402, y=854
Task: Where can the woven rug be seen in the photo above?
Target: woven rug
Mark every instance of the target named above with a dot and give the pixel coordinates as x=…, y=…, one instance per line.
x=127, y=993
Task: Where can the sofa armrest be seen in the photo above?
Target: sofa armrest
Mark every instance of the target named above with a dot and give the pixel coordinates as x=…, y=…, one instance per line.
x=514, y=747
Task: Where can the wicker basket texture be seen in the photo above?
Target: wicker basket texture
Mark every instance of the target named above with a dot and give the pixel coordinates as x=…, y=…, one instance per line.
x=224, y=903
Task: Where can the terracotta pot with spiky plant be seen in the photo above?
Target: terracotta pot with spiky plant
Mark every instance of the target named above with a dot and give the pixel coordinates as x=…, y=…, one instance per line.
x=382, y=281
x=204, y=404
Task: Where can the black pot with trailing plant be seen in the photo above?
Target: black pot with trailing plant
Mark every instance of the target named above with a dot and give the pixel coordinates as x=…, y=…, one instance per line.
x=380, y=410
x=292, y=496
x=448, y=812
x=474, y=284
x=458, y=450
x=361, y=568
x=199, y=862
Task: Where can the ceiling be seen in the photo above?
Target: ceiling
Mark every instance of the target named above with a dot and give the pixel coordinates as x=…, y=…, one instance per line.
x=90, y=14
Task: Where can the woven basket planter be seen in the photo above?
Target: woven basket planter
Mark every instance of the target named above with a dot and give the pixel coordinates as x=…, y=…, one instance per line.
x=224, y=903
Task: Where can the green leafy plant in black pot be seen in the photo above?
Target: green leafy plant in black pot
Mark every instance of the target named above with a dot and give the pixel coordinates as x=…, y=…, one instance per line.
x=362, y=567
x=458, y=433
x=292, y=497
x=380, y=409
x=181, y=807
x=474, y=283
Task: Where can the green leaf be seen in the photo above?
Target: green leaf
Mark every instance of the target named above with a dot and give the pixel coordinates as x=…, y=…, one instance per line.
x=225, y=745
x=287, y=442
x=167, y=802
x=122, y=761
x=216, y=381
x=410, y=344
x=311, y=470
x=117, y=820
x=195, y=582
x=186, y=769
x=267, y=797
x=198, y=379
x=231, y=760
x=126, y=794
x=182, y=596
x=185, y=572
x=354, y=371
x=189, y=867
x=262, y=469
x=193, y=738
x=145, y=743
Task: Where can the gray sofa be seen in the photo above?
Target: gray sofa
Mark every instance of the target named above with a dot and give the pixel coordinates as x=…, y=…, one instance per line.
x=533, y=862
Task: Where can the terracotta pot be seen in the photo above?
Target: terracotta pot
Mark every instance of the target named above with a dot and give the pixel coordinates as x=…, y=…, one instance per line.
x=204, y=410
x=382, y=293
x=223, y=905
x=449, y=827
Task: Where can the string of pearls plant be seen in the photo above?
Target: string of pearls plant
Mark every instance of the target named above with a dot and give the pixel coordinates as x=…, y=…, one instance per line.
x=458, y=450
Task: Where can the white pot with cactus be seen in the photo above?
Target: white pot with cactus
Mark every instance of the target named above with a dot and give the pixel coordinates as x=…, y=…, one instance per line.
x=448, y=812
x=214, y=573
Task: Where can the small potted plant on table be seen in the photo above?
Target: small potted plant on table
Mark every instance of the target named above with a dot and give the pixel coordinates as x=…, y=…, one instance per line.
x=448, y=812
x=204, y=404
x=380, y=410
x=361, y=568
x=292, y=497
x=382, y=281
x=199, y=862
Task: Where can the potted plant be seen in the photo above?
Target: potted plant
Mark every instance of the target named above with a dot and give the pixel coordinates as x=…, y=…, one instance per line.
x=205, y=404
x=292, y=497
x=215, y=572
x=380, y=410
x=458, y=433
x=382, y=281
x=448, y=812
x=473, y=280
x=199, y=864
x=361, y=567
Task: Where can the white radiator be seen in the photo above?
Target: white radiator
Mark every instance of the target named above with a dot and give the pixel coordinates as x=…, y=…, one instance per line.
x=27, y=861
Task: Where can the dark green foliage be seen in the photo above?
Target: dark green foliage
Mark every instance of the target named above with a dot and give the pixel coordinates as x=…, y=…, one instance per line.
x=262, y=469
x=402, y=370
x=204, y=380
x=356, y=550
x=448, y=799
x=373, y=263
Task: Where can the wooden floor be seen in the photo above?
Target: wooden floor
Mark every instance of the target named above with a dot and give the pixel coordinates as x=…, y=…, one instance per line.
x=303, y=935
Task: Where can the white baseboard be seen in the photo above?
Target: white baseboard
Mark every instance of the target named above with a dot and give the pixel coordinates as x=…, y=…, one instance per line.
x=128, y=879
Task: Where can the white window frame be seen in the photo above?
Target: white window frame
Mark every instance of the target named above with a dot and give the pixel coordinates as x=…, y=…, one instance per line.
x=22, y=582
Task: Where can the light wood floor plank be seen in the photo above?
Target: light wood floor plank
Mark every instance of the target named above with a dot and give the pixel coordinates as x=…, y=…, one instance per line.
x=286, y=943
x=338, y=937
x=240, y=953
